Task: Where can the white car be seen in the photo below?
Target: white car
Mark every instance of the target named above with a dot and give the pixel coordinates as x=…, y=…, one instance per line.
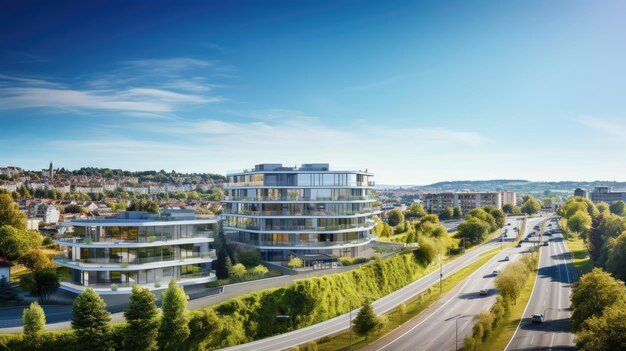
x=483, y=292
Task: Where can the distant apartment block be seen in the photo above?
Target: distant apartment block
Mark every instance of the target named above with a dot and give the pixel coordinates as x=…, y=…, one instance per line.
x=112, y=254
x=467, y=201
x=581, y=192
x=311, y=209
x=607, y=194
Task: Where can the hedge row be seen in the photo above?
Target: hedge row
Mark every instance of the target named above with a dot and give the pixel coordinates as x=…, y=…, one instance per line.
x=312, y=300
x=256, y=315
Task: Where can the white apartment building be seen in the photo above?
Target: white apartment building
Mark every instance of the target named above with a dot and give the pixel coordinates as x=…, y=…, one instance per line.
x=466, y=200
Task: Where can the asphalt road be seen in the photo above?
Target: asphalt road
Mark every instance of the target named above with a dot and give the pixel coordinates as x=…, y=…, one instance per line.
x=551, y=297
x=382, y=305
x=445, y=325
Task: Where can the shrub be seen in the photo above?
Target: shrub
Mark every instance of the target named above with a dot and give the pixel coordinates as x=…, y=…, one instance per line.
x=260, y=270
x=311, y=346
x=295, y=263
x=249, y=258
x=239, y=271
x=114, y=287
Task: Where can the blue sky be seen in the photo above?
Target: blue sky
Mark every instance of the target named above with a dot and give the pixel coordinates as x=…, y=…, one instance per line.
x=416, y=92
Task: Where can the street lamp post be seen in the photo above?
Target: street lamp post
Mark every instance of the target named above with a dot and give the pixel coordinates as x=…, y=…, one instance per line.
x=440, y=274
x=456, y=329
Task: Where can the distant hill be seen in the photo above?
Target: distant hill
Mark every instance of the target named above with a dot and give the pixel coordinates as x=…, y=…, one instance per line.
x=517, y=185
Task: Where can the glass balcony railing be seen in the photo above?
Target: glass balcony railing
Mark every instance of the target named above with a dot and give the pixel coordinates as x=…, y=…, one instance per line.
x=211, y=254
x=141, y=239
x=299, y=198
x=301, y=228
x=300, y=213
x=312, y=243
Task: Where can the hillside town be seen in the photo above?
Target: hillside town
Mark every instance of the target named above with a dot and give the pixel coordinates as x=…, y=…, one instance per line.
x=50, y=196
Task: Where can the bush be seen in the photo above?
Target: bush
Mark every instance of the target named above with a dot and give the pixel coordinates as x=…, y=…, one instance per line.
x=295, y=263
x=260, y=270
x=249, y=258
x=238, y=271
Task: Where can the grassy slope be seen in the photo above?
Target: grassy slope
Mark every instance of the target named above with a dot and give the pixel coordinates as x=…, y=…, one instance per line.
x=414, y=307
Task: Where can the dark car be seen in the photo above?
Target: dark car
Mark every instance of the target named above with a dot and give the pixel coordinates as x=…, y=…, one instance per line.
x=545, y=243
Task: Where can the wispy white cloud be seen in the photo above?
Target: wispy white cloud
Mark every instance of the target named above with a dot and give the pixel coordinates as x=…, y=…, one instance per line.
x=140, y=87
x=607, y=127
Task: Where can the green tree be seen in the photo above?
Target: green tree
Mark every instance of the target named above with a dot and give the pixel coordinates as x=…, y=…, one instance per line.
x=618, y=207
x=415, y=211
x=616, y=263
x=260, y=270
x=141, y=315
x=604, y=332
x=484, y=216
x=35, y=260
x=366, y=320
x=592, y=294
x=14, y=242
x=580, y=223
x=602, y=207
x=249, y=258
x=457, y=212
x=473, y=228
x=34, y=320
x=447, y=213
x=10, y=213
x=23, y=192
x=90, y=321
x=395, y=217
x=152, y=206
x=41, y=283
x=204, y=326
x=174, y=322
x=531, y=206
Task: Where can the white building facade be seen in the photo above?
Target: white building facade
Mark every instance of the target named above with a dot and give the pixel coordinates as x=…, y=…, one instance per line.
x=284, y=211
x=112, y=254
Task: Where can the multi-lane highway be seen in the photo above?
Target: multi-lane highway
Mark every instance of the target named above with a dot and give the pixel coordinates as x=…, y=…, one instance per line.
x=444, y=326
x=550, y=297
x=385, y=304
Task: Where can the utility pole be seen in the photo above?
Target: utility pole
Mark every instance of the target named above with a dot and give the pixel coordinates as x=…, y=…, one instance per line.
x=350, y=321
x=440, y=274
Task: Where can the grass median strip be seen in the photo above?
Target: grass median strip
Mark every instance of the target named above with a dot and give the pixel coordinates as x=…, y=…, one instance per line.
x=500, y=337
x=582, y=262
x=414, y=307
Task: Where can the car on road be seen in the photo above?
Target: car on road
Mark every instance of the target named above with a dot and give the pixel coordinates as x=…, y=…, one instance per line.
x=537, y=318
x=483, y=292
x=507, y=258
x=508, y=224
x=496, y=272
x=519, y=244
x=545, y=243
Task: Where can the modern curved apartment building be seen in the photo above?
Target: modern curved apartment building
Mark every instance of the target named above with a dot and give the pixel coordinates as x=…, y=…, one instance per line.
x=298, y=210
x=112, y=254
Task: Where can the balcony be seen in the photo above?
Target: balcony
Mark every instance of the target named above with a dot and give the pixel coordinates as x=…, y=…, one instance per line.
x=156, y=239
x=366, y=225
x=314, y=243
x=302, y=213
x=132, y=264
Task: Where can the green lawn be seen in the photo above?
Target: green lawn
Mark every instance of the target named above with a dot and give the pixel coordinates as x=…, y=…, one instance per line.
x=414, y=307
x=582, y=261
x=503, y=334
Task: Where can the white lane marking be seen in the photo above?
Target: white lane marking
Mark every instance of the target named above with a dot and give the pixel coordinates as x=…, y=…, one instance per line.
x=527, y=304
x=467, y=280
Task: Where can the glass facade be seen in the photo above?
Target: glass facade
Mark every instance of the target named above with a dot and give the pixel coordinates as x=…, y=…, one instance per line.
x=141, y=248
x=331, y=209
